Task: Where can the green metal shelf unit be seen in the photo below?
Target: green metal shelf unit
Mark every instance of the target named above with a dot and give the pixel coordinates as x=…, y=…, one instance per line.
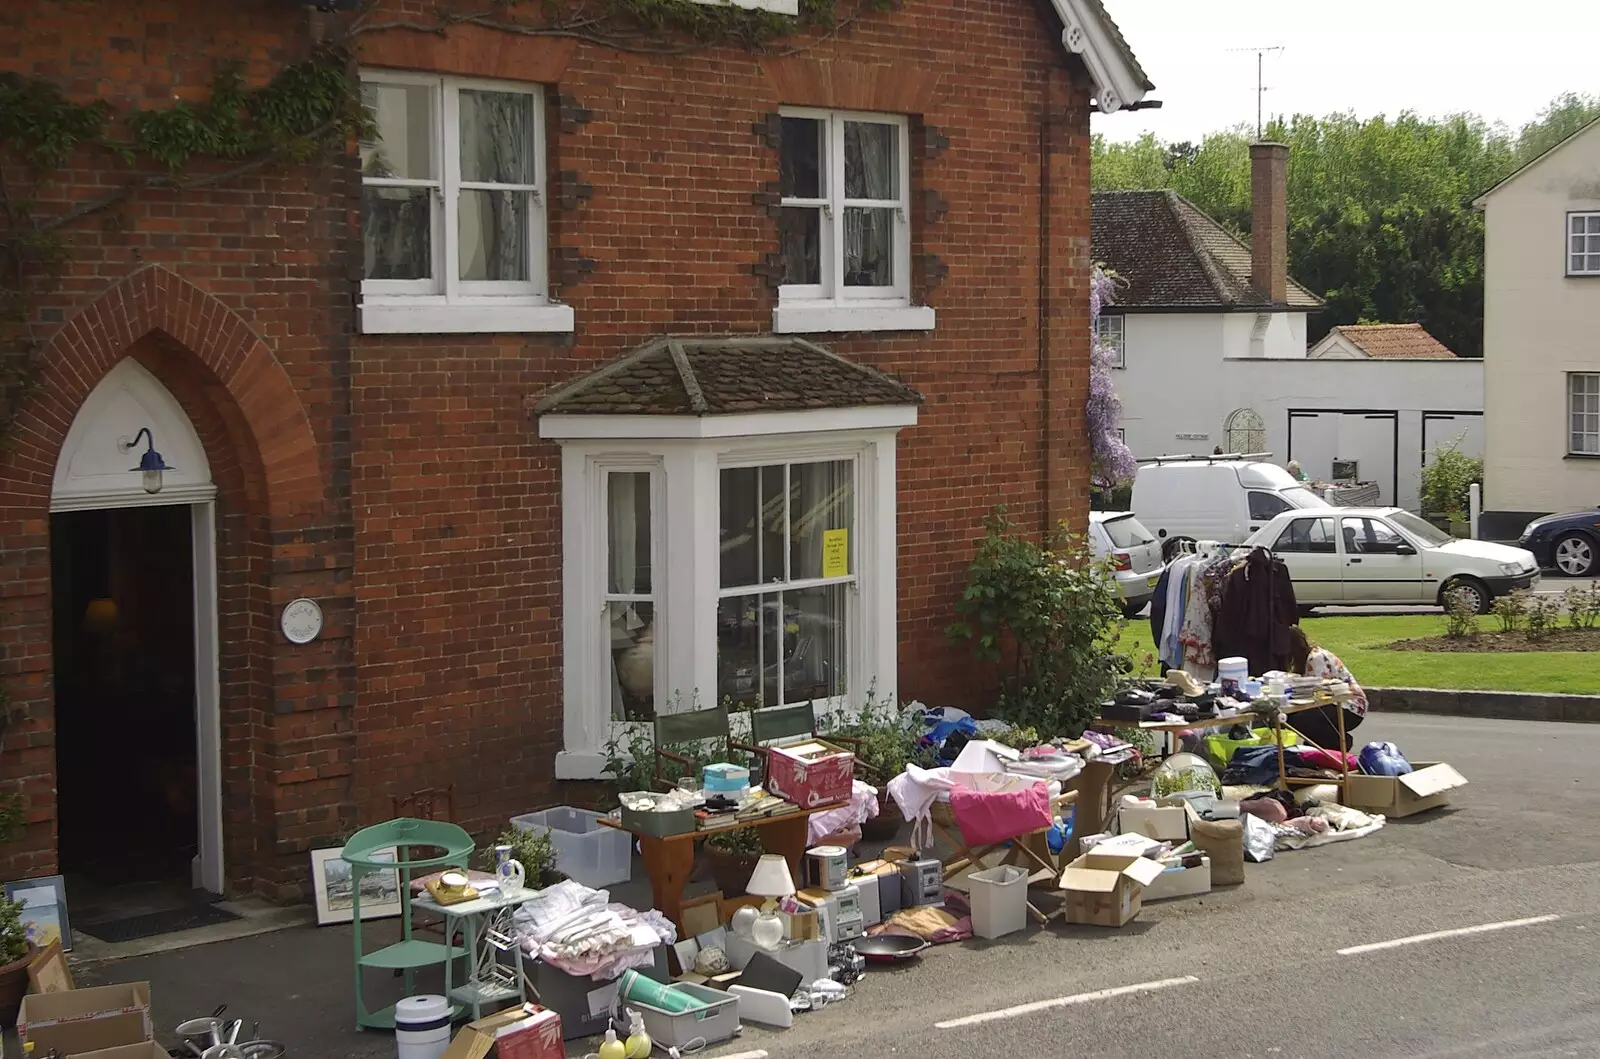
x=419, y=846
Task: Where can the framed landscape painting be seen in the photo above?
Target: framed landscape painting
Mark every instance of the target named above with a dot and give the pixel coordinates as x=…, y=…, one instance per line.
x=331, y=877
x=44, y=910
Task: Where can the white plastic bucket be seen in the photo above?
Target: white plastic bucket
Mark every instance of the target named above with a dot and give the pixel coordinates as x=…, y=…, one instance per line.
x=422, y=1027
x=999, y=901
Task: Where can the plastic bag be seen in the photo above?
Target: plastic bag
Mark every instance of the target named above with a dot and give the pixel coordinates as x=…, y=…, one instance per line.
x=1383, y=759
x=1260, y=840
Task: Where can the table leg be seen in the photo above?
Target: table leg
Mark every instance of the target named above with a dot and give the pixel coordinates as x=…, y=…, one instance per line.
x=668, y=864
x=1283, y=769
x=789, y=839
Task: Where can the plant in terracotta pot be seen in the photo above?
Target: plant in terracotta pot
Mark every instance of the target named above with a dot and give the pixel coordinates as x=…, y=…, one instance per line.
x=733, y=855
x=14, y=954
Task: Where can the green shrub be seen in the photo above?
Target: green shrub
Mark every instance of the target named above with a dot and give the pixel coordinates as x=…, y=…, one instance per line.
x=1045, y=618
x=1510, y=610
x=1460, y=614
x=13, y=935
x=1447, y=481
x=532, y=847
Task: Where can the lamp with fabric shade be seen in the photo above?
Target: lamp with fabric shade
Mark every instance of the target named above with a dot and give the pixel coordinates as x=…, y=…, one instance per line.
x=100, y=615
x=771, y=880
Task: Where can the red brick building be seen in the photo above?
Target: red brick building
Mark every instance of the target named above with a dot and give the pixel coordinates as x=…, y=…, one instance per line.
x=427, y=388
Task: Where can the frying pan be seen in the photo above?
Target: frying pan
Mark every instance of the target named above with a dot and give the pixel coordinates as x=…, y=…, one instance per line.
x=887, y=948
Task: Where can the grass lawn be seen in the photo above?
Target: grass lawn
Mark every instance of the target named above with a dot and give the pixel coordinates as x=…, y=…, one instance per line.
x=1359, y=642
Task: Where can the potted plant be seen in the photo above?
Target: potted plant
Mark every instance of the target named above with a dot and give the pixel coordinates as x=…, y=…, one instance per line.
x=532, y=848
x=14, y=955
x=733, y=855
x=883, y=747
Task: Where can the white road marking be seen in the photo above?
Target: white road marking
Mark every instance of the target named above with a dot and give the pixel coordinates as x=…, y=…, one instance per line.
x=1417, y=939
x=1063, y=1001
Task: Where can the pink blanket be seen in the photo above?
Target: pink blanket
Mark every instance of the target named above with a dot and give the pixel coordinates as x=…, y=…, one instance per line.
x=987, y=818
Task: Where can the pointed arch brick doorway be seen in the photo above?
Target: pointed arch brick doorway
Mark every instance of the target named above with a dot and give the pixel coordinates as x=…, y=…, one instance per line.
x=277, y=522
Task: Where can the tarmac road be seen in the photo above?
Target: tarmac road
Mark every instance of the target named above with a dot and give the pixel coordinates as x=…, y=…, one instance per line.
x=1518, y=843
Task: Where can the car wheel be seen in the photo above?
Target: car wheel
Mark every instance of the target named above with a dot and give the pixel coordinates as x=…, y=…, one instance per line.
x=1576, y=555
x=1476, y=590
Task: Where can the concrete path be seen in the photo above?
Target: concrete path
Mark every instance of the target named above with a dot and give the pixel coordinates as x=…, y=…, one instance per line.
x=1518, y=844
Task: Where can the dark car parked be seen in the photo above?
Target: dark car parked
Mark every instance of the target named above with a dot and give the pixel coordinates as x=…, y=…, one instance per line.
x=1568, y=543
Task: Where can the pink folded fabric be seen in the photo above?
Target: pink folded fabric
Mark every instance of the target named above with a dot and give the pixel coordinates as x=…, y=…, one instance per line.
x=987, y=818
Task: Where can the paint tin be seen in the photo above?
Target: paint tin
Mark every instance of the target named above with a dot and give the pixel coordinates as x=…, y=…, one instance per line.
x=826, y=867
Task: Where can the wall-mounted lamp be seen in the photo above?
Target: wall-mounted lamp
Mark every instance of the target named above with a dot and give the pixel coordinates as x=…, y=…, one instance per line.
x=100, y=615
x=150, y=464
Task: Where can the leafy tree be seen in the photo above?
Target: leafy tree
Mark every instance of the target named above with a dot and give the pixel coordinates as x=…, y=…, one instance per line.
x=1381, y=222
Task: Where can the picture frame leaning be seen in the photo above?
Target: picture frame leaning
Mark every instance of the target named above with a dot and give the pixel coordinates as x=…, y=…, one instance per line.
x=330, y=878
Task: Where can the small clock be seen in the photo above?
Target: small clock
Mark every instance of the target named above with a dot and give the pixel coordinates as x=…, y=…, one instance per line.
x=301, y=621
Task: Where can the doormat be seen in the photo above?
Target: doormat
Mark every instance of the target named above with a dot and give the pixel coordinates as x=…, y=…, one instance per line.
x=153, y=923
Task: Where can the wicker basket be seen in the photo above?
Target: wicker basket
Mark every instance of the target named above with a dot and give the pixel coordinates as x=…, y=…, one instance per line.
x=942, y=814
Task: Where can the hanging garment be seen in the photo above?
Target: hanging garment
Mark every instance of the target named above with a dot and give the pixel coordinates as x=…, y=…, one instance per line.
x=1258, y=607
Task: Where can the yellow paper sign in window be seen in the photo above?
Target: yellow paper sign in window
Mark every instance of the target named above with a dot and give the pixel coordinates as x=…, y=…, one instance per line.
x=835, y=553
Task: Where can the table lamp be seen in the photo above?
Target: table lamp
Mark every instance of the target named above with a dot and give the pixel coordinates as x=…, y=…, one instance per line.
x=771, y=880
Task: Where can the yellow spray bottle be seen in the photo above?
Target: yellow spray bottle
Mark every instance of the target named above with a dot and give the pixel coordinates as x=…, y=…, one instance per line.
x=638, y=1039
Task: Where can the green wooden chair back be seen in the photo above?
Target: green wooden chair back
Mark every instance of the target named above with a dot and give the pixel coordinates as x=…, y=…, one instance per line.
x=691, y=727
x=781, y=722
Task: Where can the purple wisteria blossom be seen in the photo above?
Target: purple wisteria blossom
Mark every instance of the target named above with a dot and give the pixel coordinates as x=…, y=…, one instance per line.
x=1112, y=460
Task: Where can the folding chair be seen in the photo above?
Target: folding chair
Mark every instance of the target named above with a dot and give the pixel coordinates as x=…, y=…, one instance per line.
x=1022, y=853
x=696, y=726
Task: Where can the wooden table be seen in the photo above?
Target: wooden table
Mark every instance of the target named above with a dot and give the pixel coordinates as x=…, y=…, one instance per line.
x=1285, y=781
x=668, y=861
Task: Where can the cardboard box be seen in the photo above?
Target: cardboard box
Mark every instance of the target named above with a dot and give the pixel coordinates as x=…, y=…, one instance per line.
x=146, y=1050
x=1105, y=889
x=1428, y=787
x=810, y=773
x=1164, y=823
x=1180, y=882
x=86, y=1020
x=526, y=1032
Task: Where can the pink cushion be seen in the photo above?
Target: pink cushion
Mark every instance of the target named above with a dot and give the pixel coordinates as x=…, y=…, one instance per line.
x=987, y=818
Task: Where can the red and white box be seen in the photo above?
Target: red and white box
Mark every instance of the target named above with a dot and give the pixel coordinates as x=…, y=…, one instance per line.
x=810, y=773
x=527, y=1032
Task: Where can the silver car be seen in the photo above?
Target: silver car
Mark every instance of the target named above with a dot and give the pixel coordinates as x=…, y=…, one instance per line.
x=1134, y=553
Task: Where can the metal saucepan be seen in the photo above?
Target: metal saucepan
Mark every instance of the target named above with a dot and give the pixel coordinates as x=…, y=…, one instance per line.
x=262, y=1050
x=223, y=1051
x=200, y=1034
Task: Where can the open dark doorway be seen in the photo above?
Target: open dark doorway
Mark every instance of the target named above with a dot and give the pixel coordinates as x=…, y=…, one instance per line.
x=123, y=582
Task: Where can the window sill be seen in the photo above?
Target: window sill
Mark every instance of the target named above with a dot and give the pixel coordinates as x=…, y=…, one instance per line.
x=816, y=319
x=777, y=7
x=433, y=318
x=1583, y=456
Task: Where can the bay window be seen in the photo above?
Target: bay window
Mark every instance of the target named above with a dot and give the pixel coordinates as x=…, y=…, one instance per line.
x=844, y=228
x=453, y=207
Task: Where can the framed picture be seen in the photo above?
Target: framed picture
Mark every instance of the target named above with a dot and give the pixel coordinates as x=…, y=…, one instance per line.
x=44, y=910
x=48, y=972
x=331, y=877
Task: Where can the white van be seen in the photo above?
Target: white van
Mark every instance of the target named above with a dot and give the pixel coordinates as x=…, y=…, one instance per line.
x=1221, y=498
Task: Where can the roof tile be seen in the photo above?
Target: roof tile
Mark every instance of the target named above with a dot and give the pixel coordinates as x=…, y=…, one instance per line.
x=1171, y=255
x=1395, y=341
x=696, y=376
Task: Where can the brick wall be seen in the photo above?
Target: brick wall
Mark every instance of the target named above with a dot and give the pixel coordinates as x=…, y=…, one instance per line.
x=433, y=527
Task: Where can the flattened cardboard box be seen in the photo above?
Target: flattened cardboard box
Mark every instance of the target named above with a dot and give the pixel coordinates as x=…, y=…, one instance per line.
x=147, y=1050
x=86, y=1020
x=526, y=1032
x=1106, y=889
x=1428, y=786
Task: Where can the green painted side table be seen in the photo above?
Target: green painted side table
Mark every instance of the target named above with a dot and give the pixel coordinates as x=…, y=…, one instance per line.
x=405, y=847
x=483, y=927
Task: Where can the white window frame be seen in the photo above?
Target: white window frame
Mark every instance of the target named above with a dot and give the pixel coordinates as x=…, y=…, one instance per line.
x=830, y=305
x=1112, y=331
x=1589, y=433
x=444, y=303
x=602, y=469
x=1580, y=260
x=686, y=545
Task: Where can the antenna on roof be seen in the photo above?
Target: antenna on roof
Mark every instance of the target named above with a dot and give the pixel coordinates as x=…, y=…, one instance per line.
x=1261, y=85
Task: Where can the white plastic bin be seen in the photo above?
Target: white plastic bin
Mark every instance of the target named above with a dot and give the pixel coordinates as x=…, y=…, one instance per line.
x=586, y=850
x=999, y=901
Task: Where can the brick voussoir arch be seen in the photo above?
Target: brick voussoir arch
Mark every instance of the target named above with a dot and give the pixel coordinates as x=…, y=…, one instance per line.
x=88, y=345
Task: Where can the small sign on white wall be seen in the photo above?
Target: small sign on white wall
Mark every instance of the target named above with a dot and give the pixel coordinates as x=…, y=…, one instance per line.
x=1192, y=437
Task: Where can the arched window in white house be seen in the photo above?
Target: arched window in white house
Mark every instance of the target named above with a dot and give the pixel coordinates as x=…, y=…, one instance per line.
x=1245, y=431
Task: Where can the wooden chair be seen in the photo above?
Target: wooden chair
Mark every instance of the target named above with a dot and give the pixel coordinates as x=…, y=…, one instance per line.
x=696, y=726
x=430, y=803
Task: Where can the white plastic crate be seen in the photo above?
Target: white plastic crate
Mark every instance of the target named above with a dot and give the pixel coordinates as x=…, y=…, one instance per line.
x=999, y=901
x=586, y=850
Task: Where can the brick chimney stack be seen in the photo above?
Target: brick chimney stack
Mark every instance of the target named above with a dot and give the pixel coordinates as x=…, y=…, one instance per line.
x=1269, y=220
